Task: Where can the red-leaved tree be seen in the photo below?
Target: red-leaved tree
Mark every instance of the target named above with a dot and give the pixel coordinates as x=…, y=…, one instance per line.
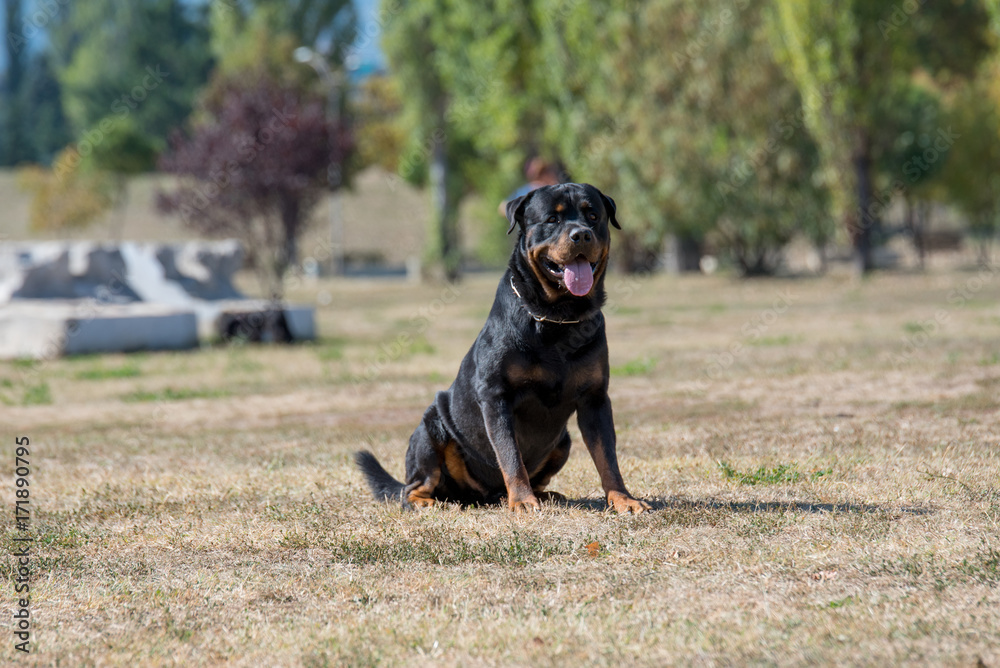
x=254, y=168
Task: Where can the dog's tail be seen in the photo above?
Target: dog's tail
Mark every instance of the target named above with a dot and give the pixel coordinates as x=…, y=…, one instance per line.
x=382, y=485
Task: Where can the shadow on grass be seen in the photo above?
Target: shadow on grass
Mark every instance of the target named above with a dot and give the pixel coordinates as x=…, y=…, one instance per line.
x=756, y=506
x=713, y=505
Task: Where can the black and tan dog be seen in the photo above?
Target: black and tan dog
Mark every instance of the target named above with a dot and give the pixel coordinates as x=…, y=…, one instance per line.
x=500, y=429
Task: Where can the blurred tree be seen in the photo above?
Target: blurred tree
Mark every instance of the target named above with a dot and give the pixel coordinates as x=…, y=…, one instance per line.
x=47, y=130
x=124, y=153
x=160, y=59
x=689, y=142
x=14, y=143
x=325, y=25
x=254, y=167
x=258, y=40
x=856, y=55
x=64, y=202
x=508, y=104
x=972, y=179
x=251, y=41
x=503, y=98
x=701, y=140
x=377, y=106
x=908, y=129
x=422, y=43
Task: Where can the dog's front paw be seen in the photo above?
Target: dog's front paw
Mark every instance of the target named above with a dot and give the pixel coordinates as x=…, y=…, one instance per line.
x=525, y=504
x=622, y=503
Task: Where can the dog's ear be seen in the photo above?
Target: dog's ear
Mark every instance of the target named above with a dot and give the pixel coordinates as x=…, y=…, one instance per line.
x=609, y=206
x=515, y=211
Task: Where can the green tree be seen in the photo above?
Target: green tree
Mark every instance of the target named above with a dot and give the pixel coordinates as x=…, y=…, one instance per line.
x=972, y=178
x=160, y=60
x=33, y=127
x=48, y=129
x=14, y=147
x=376, y=112
x=859, y=55
x=702, y=139
x=424, y=44
x=66, y=202
x=326, y=25
x=907, y=165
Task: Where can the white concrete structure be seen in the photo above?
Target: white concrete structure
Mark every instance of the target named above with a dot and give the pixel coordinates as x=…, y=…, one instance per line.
x=133, y=296
x=42, y=329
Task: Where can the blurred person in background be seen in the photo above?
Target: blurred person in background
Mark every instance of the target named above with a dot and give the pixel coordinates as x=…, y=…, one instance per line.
x=539, y=172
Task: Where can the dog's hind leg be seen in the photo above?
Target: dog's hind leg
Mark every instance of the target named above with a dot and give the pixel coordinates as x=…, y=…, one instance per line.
x=423, y=466
x=555, y=461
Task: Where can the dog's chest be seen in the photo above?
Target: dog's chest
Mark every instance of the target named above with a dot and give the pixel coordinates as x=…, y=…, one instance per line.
x=553, y=384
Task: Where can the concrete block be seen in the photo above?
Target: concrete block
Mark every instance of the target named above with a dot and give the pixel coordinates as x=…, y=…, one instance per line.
x=164, y=286
x=43, y=329
x=301, y=321
x=255, y=320
x=120, y=272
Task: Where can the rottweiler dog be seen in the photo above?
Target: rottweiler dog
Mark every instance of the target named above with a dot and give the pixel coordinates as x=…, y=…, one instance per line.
x=500, y=429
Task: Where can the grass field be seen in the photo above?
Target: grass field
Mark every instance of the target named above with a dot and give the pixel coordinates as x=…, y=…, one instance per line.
x=822, y=457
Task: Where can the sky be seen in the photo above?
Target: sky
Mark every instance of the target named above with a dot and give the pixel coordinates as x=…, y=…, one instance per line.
x=369, y=52
x=368, y=49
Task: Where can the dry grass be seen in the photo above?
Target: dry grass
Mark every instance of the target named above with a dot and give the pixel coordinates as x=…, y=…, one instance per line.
x=826, y=485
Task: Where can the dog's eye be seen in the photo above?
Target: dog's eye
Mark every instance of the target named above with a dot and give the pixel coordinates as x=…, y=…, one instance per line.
x=592, y=216
x=552, y=219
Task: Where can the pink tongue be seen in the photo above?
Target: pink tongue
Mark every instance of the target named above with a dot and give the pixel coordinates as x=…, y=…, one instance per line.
x=578, y=276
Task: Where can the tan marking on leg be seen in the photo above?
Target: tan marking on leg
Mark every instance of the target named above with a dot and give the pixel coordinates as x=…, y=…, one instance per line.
x=457, y=469
x=422, y=496
x=618, y=499
x=520, y=498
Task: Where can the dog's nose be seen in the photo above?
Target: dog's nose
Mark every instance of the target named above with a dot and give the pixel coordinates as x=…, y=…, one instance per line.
x=580, y=236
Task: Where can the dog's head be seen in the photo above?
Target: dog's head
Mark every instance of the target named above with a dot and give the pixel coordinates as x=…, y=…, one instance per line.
x=564, y=236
